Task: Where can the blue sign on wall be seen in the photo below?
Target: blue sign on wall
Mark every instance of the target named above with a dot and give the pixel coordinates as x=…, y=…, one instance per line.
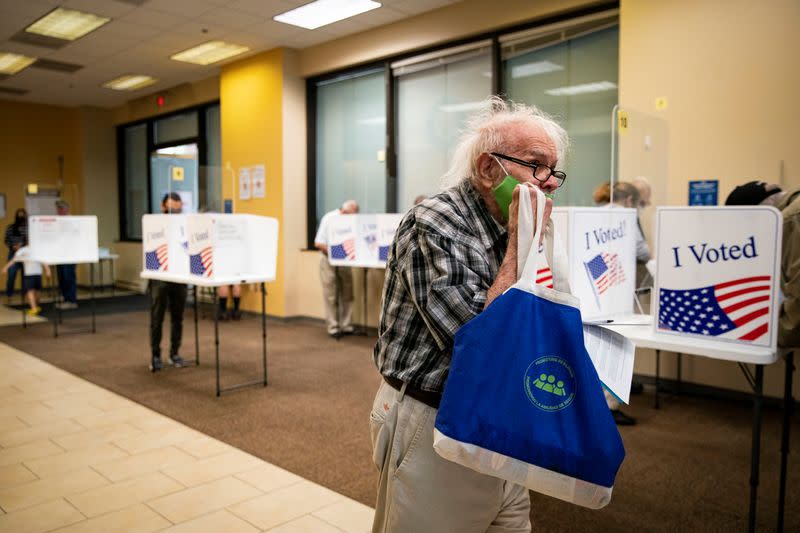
x=228, y=206
x=703, y=192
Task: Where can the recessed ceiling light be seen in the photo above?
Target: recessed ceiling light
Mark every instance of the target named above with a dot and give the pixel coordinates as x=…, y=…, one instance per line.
x=572, y=90
x=130, y=82
x=210, y=52
x=13, y=63
x=322, y=12
x=66, y=24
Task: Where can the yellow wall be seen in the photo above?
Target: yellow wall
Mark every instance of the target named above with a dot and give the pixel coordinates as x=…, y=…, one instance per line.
x=251, y=106
x=31, y=139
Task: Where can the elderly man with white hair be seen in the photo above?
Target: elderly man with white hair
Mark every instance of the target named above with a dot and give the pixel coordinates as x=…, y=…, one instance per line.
x=453, y=254
x=338, y=303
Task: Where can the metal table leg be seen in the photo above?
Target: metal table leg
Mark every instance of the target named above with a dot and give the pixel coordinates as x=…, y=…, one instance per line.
x=788, y=407
x=755, y=454
x=54, y=292
x=216, y=338
x=658, y=377
x=91, y=285
x=364, y=327
x=196, y=336
x=264, y=329
x=680, y=381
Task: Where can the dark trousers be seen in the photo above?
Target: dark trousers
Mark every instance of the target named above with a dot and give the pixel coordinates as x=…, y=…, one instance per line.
x=12, y=275
x=162, y=295
x=68, y=283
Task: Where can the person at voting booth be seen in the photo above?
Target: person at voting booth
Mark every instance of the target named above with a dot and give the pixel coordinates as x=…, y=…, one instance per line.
x=31, y=279
x=338, y=307
x=452, y=256
x=164, y=294
x=788, y=203
x=67, y=280
x=15, y=238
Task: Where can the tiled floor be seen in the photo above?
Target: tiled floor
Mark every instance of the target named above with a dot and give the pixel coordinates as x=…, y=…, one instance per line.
x=77, y=458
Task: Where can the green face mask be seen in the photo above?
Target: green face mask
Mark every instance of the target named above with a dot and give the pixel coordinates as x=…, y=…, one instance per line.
x=503, y=193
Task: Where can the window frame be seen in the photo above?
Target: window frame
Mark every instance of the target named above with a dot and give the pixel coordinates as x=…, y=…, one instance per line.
x=149, y=122
x=497, y=84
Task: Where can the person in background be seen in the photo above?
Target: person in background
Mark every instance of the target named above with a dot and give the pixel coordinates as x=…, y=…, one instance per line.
x=16, y=237
x=338, y=308
x=788, y=203
x=31, y=279
x=165, y=294
x=67, y=280
x=627, y=195
x=224, y=292
x=602, y=194
x=645, y=191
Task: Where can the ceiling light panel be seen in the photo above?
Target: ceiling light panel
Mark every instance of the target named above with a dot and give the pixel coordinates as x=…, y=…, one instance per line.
x=323, y=12
x=66, y=24
x=210, y=52
x=130, y=82
x=13, y=63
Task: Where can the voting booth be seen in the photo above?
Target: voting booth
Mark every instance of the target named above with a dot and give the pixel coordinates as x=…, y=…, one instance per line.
x=361, y=240
x=600, y=243
x=63, y=240
x=212, y=250
x=718, y=273
x=232, y=247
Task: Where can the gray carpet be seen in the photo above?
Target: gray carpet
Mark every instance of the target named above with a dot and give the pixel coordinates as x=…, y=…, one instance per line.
x=687, y=464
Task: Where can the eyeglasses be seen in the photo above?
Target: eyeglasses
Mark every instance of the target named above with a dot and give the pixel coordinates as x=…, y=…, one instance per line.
x=541, y=172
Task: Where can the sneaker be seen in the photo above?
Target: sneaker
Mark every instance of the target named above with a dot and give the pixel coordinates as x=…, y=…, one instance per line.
x=621, y=419
x=348, y=331
x=33, y=312
x=177, y=361
x=155, y=364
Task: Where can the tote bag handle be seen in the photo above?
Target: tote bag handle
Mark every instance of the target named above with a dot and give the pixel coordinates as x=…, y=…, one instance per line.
x=527, y=252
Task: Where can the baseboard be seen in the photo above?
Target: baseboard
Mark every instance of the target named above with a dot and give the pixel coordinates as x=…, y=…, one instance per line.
x=673, y=386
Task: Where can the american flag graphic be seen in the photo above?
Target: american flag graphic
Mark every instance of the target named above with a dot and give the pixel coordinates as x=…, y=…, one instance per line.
x=383, y=253
x=200, y=264
x=737, y=309
x=372, y=241
x=544, y=276
x=157, y=259
x=345, y=250
x=604, y=271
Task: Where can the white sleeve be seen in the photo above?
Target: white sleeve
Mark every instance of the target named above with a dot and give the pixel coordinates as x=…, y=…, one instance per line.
x=322, y=232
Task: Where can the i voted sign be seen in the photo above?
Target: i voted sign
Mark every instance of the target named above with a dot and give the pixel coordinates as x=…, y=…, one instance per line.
x=718, y=273
x=361, y=240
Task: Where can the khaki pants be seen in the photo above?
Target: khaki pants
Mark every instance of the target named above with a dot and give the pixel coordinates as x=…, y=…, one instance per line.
x=419, y=492
x=343, y=321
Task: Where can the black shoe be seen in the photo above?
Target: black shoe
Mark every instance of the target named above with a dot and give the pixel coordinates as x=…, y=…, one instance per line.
x=349, y=331
x=336, y=334
x=155, y=364
x=236, y=314
x=222, y=315
x=177, y=361
x=637, y=387
x=621, y=419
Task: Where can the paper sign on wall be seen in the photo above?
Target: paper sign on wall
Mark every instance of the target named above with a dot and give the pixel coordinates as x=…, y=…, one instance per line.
x=717, y=274
x=244, y=183
x=259, y=181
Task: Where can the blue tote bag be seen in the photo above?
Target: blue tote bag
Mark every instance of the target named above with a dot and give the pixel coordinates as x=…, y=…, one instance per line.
x=523, y=401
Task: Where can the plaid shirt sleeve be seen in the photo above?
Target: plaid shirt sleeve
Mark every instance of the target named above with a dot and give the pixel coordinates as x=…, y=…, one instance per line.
x=445, y=279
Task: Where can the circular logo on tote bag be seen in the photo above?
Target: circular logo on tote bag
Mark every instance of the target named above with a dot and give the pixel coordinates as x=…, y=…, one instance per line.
x=550, y=383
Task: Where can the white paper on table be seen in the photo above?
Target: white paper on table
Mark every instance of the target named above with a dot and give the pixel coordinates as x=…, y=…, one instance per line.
x=612, y=355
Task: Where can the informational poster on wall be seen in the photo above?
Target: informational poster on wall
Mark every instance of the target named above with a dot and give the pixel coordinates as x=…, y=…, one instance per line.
x=703, y=192
x=165, y=244
x=717, y=276
x=244, y=183
x=259, y=181
x=361, y=240
x=63, y=239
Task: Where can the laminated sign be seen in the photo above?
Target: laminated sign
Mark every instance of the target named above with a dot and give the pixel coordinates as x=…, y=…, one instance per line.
x=718, y=273
x=165, y=246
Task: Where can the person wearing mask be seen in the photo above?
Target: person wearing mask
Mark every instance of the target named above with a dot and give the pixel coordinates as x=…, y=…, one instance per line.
x=163, y=295
x=16, y=237
x=338, y=307
x=67, y=280
x=788, y=203
x=452, y=255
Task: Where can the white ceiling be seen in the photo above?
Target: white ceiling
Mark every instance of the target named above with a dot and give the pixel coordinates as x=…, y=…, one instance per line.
x=140, y=39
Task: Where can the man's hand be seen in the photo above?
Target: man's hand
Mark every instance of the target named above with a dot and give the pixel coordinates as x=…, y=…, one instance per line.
x=507, y=275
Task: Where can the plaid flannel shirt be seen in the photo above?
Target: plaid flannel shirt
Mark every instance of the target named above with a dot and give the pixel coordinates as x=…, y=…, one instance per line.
x=446, y=254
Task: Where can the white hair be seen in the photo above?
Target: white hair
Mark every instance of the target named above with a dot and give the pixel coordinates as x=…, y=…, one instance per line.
x=485, y=133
